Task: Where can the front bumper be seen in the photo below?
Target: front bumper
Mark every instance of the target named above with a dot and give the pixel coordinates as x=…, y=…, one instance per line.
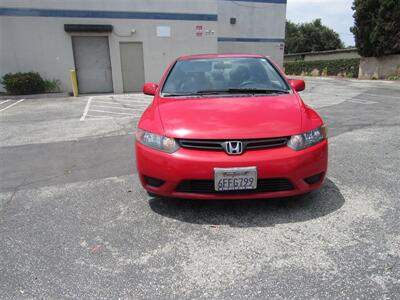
x=189, y=164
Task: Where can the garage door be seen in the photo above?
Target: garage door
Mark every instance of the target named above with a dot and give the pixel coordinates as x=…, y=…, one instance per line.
x=132, y=66
x=92, y=64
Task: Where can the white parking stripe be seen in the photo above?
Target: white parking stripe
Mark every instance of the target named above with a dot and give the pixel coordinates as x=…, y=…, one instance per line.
x=117, y=100
x=97, y=116
x=125, y=104
x=86, y=109
x=93, y=117
x=105, y=107
x=11, y=105
x=110, y=112
x=5, y=101
x=119, y=104
x=114, y=107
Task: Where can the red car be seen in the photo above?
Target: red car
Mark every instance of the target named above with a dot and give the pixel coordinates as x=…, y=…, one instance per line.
x=229, y=127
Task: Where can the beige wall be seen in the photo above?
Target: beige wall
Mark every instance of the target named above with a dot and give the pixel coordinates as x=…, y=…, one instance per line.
x=271, y=50
x=40, y=44
x=379, y=67
x=332, y=56
x=198, y=6
x=30, y=44
x=253, y=19
x=265, y=21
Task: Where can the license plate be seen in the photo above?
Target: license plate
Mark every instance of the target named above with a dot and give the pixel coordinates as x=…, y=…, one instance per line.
x=235, y=179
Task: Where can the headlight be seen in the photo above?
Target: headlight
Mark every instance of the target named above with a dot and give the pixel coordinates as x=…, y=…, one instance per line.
x=156, y=141
x=301, y=141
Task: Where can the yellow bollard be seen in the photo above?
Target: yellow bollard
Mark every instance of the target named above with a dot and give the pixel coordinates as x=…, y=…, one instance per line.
x=74, y=82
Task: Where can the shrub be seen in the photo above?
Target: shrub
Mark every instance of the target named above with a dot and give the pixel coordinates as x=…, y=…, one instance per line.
x=342, y=67
x=23, y=83
x=28, y=83
x=393, y=77
x=52, y=86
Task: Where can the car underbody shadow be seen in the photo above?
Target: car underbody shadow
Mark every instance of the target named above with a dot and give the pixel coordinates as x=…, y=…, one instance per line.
x=253, y=213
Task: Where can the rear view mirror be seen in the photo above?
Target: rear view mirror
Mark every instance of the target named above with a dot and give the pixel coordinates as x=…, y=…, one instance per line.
x=297, y=84
x=149, y=89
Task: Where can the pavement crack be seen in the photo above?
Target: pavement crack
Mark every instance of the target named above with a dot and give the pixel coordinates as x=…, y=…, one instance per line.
x=15, y=191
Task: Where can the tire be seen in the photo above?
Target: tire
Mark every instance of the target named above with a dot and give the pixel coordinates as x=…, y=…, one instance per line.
x=153, y=195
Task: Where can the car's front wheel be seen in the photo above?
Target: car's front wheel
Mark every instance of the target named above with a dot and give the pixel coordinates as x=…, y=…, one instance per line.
x=153, y=195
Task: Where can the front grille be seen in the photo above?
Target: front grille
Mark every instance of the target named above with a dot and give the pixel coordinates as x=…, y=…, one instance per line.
x=207, y=186
x=218, y=145
x=201, y=144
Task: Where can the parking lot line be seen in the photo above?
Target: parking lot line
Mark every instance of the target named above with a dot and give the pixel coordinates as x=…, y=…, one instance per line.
x=115, y=107
x=103, y=107
x=93, y=117
x=11, y=105
x=123, y=102
x=136, y=103
x=110, y=112
x=86, y=109
x=5, y=101
x=124, y=99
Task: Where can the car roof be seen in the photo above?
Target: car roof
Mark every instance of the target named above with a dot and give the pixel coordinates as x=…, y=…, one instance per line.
x=200, y=56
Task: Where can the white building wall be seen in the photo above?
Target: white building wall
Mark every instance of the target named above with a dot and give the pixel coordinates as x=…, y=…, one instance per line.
x=259, y=28
x=272, y=50
x=40, y=44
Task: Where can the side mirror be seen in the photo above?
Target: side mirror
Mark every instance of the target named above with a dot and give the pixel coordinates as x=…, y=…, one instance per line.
x=149, y=89
x=297, y=84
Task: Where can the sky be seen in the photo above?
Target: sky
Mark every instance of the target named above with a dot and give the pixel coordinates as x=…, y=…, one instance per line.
x=336, y=14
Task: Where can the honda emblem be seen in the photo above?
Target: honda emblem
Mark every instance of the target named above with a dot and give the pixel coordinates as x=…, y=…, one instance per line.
x=233, y=148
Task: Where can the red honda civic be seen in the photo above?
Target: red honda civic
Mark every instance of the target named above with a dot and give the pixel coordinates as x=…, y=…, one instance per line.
x=229, y=127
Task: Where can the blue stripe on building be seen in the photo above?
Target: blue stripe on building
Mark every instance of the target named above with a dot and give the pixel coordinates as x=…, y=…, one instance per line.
x=103, y=14
x=251, y=40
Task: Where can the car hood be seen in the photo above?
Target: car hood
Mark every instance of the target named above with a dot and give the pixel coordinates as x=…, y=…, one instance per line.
x=230, y=117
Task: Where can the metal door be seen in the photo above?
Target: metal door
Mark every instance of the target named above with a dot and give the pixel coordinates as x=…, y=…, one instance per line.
x=92, y=64
x=132, y=66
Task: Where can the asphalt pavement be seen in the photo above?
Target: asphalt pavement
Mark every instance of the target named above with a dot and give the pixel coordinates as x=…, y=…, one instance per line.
x=75, y=223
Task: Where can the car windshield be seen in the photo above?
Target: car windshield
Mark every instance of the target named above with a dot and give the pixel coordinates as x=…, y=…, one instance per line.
x=245, y=75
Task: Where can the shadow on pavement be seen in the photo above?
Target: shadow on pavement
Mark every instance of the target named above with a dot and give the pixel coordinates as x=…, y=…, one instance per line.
x=253, y=213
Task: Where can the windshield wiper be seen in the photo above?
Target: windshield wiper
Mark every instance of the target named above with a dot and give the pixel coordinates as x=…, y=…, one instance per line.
x=227, y=91
x=196, y=93
x=242, y=91
x=258, y=91
x=177, y=94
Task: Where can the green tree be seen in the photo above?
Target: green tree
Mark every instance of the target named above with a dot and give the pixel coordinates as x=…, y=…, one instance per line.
x=313, y=36
x=377, y=27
